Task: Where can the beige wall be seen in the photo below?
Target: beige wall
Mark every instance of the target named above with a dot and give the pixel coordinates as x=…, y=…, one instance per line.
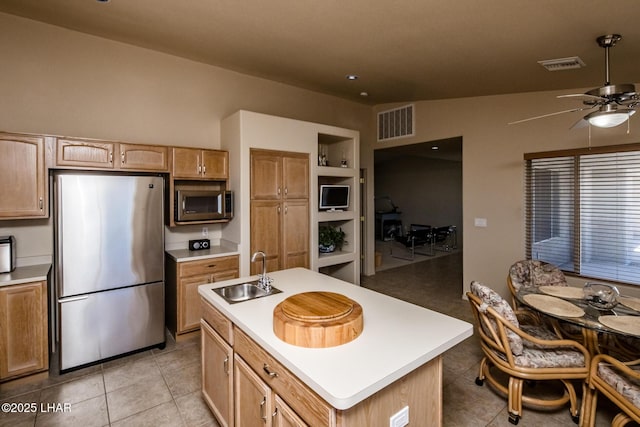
x=62, y=82
x=493, y=165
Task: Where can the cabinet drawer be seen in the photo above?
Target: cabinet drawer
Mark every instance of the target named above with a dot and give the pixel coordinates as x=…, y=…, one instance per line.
x=208, y=266
x=217, y=321
x=304, y=401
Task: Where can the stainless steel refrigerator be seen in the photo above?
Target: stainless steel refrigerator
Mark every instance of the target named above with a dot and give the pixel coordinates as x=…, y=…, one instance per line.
x=109, y=265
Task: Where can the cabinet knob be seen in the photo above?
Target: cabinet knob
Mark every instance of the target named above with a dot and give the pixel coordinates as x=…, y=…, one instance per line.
x=226, y=365
x=122, y=157
x=111, y=157
x=204, y=170
x=41, y=203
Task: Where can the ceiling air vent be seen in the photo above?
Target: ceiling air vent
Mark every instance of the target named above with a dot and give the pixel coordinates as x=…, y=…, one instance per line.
x=396, y=123
x=562, y=63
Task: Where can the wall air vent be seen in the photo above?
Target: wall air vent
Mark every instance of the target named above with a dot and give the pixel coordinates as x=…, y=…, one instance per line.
x=396, y=123
x=562, y=63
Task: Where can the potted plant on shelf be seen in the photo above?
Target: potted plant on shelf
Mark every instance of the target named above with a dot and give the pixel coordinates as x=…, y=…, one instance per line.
x=330, y=238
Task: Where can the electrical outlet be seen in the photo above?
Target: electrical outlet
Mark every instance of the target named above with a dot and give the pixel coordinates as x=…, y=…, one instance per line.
x=205, y=231
x=400, y=418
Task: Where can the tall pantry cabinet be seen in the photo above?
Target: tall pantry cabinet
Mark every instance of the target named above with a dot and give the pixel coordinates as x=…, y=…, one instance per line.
x=280, y=208
x=275, y=171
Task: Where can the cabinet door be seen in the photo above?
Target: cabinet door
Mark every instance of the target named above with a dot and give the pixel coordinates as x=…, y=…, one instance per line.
x=265, y=233
x=91, y=154
x=143, y=157
x=266, y=176
x=252, y=397
x=215, y=164
x=186, y=163
x=23, y=191
x=189, y=311
x=295, y=234
x=217, y=375
x=283, y=415
x=23, y=335
x=296, y=177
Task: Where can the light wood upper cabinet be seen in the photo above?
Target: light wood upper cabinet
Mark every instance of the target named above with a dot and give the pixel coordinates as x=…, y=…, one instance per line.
x=90, y=154
x=23, y=335
x=279, y=175
x=266, y=176
x=295, y=173
x=86, y=154
x=194, y=163
x=144, y=157
x=23, y=174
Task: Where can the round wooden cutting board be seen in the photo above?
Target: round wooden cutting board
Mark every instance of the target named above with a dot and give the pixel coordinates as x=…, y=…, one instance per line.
x=317, y=319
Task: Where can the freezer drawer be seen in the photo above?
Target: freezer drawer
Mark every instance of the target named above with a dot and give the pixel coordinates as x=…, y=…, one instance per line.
x=106, y=324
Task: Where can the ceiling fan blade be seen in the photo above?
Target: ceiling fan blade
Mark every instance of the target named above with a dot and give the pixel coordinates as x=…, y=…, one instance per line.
x=573, y=110
x=584, y=97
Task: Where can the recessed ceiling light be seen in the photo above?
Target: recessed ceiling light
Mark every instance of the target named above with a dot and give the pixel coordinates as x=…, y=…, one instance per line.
x=435, y=147
x=103, y=1
x=364, y=94
x=352, y=77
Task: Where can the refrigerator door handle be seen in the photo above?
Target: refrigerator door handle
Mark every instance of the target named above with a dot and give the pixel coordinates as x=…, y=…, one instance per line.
x=71, y=299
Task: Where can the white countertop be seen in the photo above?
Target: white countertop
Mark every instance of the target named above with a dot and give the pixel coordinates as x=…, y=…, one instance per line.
x=397, y=337
x=181, y=255
x=26, y=274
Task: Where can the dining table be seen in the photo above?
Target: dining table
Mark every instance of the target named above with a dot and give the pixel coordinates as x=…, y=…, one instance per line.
x=598, y=326
x=603, y=330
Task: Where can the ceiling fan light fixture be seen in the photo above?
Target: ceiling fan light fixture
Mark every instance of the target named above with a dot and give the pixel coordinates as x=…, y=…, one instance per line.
x=608, y=118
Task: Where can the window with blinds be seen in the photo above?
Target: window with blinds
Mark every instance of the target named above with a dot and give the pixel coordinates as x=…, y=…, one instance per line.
x=583, y=211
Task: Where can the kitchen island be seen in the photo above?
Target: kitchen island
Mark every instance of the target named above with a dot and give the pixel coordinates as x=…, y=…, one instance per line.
x=395, y=362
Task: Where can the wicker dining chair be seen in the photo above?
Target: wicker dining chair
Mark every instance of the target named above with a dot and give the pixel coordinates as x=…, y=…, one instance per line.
x=531, y=273
x=524, y=353
x=617, y=380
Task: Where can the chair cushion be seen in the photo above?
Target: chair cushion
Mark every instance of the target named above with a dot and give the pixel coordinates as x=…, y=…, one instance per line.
x=538, y=357
x=625, y=386
x=534, y=273
x=491, y=298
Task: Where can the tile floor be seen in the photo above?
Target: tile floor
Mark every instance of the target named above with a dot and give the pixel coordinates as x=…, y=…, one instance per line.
x=162, y=387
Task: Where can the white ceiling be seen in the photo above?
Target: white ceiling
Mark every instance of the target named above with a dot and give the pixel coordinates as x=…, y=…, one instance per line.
x=403, y=50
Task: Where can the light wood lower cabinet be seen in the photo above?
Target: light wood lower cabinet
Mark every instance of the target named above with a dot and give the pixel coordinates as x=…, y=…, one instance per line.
x=267, y=394
x=283, y=415
x=253, y=403
x=23, y=330
x=182, y=302
x=217, y=375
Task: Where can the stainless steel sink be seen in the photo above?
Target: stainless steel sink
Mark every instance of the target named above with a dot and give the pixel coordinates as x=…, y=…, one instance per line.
x=243, y=292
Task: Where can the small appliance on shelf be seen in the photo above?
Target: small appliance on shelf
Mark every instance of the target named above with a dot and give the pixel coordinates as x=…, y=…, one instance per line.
x=7, y=254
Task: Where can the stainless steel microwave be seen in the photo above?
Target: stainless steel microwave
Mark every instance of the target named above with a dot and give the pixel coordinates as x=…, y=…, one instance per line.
x=203, y=205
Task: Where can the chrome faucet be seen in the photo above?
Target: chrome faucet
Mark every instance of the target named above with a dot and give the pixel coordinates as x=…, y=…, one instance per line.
x=264, y=282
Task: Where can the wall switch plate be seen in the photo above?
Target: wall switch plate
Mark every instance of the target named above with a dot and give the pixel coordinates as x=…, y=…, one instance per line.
x=199, y=244
x=205, y=231
x=480, y=222
x=400, y=418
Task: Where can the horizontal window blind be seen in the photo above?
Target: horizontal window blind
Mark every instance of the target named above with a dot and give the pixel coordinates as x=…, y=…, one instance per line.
x=583, y=212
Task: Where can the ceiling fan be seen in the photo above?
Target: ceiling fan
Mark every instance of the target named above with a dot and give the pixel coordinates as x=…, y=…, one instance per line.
x=613, y=104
